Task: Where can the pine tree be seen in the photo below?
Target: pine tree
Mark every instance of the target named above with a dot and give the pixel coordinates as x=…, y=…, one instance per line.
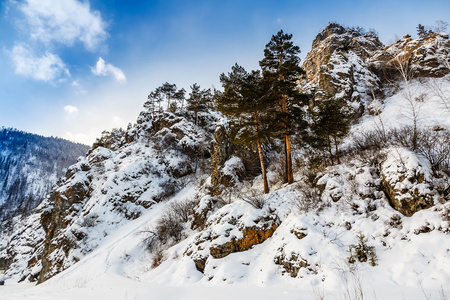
x=331, y=124
x=422, y=32
x=180, y=96
x=168, y=90
x=281, y=70
x=198, y=100
x=153, y=103
x=243, y=102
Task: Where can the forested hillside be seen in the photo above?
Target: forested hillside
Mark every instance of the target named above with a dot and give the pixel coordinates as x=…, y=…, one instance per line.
x=29, y=166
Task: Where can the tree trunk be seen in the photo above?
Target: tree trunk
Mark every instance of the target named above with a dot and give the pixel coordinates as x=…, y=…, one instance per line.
x=289, y=176
x=330, y=150
x=261, y=155
x=337, y=151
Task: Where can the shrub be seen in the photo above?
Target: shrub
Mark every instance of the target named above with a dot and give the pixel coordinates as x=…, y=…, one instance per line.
x=150, y=240
x=362, y=252
x=308, y=199
x=184, y=209
x=396, y=221
x=257, y=201
x=433, y=144
x=371, y=140
x=169, y=227
x=158, y=257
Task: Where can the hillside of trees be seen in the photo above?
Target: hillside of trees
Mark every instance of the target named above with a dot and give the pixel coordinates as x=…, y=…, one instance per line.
x=29, y=166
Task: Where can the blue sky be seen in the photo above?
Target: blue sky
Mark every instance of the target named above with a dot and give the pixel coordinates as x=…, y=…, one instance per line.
x=72, y=68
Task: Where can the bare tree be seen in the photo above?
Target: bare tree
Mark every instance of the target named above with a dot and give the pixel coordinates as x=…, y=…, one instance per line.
x=439, y=92
x=378, y=113
x=441, y=26
x=401, y=63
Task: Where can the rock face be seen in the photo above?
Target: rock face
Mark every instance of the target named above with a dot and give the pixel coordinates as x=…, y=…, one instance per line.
x=336, y=65
x=67, y=201
x=351, y=65
x=22, y=255
x=407, y=181
x=228, y=231
x=251, y=236
x=230, y=163
x=427, y=57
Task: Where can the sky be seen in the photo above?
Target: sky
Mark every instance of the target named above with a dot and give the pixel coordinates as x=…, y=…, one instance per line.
x=73, y=69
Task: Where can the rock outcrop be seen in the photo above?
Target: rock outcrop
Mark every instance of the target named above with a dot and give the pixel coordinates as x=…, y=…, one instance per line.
x=228, y=232
x=336, y=66
x=230, y=163
x=423, y=57
x=407, y=181
x=353, y=66
x=67, y=201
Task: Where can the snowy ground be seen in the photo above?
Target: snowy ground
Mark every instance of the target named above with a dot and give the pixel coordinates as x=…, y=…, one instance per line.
x=110, y=287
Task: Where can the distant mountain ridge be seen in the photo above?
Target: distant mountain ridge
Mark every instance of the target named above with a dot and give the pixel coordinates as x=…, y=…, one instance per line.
x=30, y=165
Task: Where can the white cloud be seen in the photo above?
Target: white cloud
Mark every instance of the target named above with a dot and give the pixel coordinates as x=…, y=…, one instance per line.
x=47, y=67
x=64, y=22
x=104, y=69
x=79, y=137
x=70, y=109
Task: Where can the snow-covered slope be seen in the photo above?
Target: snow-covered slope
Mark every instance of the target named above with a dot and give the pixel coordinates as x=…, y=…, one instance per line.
x=141, y=218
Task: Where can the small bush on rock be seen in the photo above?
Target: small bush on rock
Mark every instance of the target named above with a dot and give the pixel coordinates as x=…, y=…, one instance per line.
x=257, y=201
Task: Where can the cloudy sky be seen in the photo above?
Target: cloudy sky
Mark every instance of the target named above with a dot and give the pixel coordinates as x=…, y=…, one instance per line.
x=73, y=68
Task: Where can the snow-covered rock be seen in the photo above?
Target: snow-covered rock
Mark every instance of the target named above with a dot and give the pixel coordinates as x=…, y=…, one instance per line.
x=407, y=181
x=336, y=66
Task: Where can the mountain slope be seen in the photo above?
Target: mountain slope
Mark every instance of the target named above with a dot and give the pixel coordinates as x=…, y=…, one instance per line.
x=143, y=209
x=29, y=166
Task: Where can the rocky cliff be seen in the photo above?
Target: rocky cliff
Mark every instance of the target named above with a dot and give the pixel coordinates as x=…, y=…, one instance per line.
x=354, y=66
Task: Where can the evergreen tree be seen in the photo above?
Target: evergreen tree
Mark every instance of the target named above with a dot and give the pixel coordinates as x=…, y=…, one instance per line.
x=198, y=100
x=331, y=125
x=281, y=71
x=422, y=32
x=180, y=96
x=168, y=90
x=153, y=103
x=243, y=102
